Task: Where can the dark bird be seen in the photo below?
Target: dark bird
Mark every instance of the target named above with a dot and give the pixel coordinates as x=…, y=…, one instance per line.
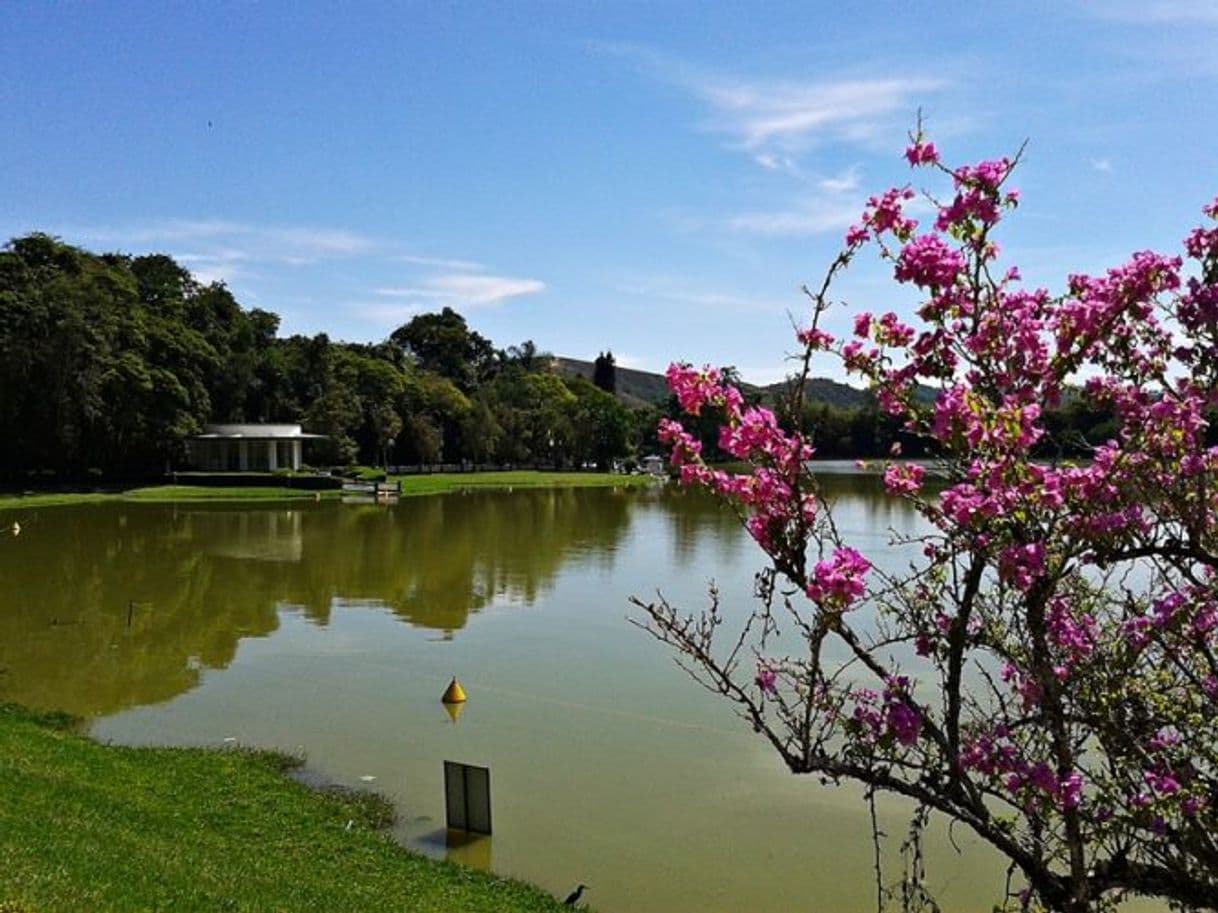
x=573, y=897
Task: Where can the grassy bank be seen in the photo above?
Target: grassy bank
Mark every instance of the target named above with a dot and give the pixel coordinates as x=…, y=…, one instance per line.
x=160, y=493
x=411, y=485
x=456, y=481
x=90, y=827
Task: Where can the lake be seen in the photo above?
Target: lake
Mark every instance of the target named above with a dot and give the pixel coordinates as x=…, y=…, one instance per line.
x=332, y=630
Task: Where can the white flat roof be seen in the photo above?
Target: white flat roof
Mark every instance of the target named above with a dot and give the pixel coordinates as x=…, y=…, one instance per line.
x=253, y=432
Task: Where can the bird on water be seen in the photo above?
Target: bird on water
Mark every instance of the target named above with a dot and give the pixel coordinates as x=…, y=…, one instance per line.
x=574, y=896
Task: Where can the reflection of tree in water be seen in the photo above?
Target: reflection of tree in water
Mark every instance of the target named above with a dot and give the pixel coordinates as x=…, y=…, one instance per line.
x=203, y=576
x=65, y=589
x=696, y=517
x=865, y=492
x=434, y=560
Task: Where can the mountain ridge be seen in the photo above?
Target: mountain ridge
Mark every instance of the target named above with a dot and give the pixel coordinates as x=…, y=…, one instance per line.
x=636, y=387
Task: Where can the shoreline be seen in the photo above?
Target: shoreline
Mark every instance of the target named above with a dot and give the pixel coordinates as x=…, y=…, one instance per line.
x=412, y=485
x=90, y=826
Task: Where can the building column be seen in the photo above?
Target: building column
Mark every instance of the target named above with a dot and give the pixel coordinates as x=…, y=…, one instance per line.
x=272, y=455
x=243, y=455
x=296, y=448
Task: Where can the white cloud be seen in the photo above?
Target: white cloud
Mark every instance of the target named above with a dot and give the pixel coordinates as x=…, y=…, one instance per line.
x=1102, y=165
x=471, y=266
x=845, y=182
x=321, y=242
x=679, y=291
x=464, y=290
x=770, y=119
x=221, y=272
x=385, y=312
x=264, y=242
x=776, y=119
x=816, y=217
x=224, y=250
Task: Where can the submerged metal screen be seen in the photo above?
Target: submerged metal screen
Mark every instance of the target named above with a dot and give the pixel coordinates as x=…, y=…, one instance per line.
x=467, y=797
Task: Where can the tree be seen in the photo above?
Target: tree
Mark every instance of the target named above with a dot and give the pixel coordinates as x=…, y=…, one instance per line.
x=443, y=343
x=96, y=369
x=600, y=424
x=381, y=386
x=110, y=363
x=604, y=372
x=1047, y=674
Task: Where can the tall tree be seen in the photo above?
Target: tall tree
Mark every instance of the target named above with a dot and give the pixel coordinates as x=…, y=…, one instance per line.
x=445, y=344
x=604, y=372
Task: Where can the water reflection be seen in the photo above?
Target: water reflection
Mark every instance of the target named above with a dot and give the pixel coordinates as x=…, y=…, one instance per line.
x=112, y=606
x=610, y=766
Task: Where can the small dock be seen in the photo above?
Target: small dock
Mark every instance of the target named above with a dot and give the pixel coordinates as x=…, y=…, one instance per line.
x=378, y=491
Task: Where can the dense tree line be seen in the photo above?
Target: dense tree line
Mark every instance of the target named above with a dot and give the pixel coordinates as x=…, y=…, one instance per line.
x=865, y=431
x=108, y=363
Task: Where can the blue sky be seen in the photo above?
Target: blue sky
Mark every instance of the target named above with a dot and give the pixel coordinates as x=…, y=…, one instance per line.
x=655, y=178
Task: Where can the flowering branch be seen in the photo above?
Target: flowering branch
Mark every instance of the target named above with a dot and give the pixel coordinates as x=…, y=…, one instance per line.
x=1048, y=675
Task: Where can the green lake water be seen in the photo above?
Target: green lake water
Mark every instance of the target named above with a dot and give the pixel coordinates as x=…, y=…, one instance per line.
x=332, y=629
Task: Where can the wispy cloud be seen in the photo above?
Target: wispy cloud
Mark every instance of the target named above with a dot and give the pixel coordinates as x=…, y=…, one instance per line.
x=679, y=291
x=815, y=217
x=772, y=117
x=1102, y=165
x=774, y=120
x=290, y=242
x=832, y=207
x=457, y=290
x=845, y=182
x=442, y=263
x=384, y=312
x=777, y=122
x=225, y=250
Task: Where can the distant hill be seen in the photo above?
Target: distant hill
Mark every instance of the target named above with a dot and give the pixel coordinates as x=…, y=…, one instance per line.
x=645, y=387
x=636, y=388
x=820, y=390
x=843, y=396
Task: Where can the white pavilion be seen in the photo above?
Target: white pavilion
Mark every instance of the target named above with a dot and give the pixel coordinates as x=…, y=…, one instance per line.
x=248, y=448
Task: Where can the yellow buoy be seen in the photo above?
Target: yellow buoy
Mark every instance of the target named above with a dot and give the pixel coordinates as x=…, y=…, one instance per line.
x=454, y=693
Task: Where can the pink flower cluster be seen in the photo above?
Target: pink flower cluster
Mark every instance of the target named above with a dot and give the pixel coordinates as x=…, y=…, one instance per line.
x=815, y=339
x=885, y=213
x=903, y=478
x=995, y=755
x=892, y=715
x=748, y=434
x=767, y=679
x=922, y=153
x=839, y=581
x=694, y=388
x=977, y=199
x=928, y=262
x=1021, y=565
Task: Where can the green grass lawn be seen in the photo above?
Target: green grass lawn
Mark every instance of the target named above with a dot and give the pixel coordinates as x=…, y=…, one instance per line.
x=87, y=827
x=411, y=485
x=161, y=493
x=214, y=493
